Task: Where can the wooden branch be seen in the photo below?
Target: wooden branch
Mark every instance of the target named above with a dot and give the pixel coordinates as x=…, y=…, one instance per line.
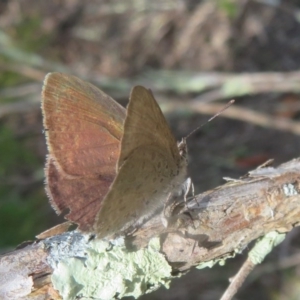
x=216, y=225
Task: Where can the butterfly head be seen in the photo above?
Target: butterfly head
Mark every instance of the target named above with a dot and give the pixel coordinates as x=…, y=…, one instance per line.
x=182, y=147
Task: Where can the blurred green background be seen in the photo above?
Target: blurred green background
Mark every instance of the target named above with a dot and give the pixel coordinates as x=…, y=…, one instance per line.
x=162, y=45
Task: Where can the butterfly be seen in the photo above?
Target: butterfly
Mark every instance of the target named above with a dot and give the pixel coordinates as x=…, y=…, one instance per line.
x=112, y=169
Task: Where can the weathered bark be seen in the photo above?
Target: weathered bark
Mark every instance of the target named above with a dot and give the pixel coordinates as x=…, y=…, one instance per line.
x=216, y=225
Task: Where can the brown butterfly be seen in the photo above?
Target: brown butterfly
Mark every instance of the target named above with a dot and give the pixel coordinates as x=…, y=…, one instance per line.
x=109, y=186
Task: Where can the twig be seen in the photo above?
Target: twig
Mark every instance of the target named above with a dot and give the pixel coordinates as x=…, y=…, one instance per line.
x=20, y=91
x=24, y=70
x=262, y=248
x=238, y=280
x=20, y=107
x=237, y=113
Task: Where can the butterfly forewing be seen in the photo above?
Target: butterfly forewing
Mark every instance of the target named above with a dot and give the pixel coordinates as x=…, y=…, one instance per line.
x=146, y=125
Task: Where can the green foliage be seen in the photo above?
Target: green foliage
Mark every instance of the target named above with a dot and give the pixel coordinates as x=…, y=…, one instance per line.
x=18, y=218
x=229, y=7
x=29, y=36
x=20, y=197
x=26, y=37
x=18, y=203
x=12, y=153
x=8, y=78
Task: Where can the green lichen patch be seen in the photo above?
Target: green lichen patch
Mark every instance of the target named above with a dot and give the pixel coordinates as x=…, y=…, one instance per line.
x=112, y=272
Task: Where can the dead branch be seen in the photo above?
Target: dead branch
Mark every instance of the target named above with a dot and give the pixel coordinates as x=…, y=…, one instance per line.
x=216, y=225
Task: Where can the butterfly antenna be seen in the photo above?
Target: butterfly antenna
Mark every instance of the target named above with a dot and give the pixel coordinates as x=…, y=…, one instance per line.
x=210, y=119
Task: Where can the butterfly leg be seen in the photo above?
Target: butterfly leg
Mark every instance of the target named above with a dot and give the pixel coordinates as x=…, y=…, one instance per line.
x=176, y=203
x=175, y=218
x=188, y=187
